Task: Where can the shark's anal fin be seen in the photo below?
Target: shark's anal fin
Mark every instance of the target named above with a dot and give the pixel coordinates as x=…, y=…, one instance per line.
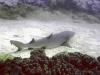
x=19, y=49
x=49, y=36
x=32, y=41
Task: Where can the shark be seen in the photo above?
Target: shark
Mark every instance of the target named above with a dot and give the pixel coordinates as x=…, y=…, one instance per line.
x=49, y=42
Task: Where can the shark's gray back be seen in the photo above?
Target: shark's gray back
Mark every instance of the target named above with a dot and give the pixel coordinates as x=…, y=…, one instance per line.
x=53, y=41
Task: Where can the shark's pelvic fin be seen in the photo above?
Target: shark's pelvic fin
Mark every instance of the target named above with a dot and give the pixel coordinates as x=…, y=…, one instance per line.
x=49, y=36
x=33, y=40
x=63, y=44
x=44, y=47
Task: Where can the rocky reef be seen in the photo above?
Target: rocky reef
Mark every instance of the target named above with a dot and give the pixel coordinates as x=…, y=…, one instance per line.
x=60, y=64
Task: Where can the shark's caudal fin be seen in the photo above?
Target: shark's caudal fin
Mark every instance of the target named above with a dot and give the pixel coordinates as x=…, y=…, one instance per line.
x=18, y=44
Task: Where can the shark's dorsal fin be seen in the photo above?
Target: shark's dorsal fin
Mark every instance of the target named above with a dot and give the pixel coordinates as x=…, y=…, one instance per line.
x=50, y=36
x=33, y=40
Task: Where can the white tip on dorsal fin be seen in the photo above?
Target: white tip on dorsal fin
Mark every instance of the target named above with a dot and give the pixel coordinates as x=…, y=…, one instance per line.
x=50, y=36
x=32, y=41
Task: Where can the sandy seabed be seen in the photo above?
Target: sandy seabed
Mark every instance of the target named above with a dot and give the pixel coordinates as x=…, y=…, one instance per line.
x=42, y=23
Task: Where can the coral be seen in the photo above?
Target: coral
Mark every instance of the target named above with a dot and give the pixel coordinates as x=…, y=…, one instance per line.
x=60, y=64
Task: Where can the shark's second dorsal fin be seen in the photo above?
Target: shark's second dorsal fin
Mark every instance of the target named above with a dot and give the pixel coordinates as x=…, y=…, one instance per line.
x=50, y=36
x=32, y=41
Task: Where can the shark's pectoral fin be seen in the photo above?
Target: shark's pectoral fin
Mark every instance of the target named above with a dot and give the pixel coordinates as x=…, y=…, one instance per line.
x=32, y=41
x=49, y=36
x=65, y=44
x=68, y=45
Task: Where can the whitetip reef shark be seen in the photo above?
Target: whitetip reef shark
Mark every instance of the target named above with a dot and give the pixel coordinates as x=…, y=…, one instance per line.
x=52, y=41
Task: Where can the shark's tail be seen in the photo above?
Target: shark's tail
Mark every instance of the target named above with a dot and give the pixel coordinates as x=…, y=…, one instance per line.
x=18, y=44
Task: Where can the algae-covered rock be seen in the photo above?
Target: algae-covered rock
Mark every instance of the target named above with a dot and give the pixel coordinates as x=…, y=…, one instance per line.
x=4, y=57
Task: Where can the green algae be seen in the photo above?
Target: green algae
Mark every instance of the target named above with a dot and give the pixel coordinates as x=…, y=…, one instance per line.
x=4, y=57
